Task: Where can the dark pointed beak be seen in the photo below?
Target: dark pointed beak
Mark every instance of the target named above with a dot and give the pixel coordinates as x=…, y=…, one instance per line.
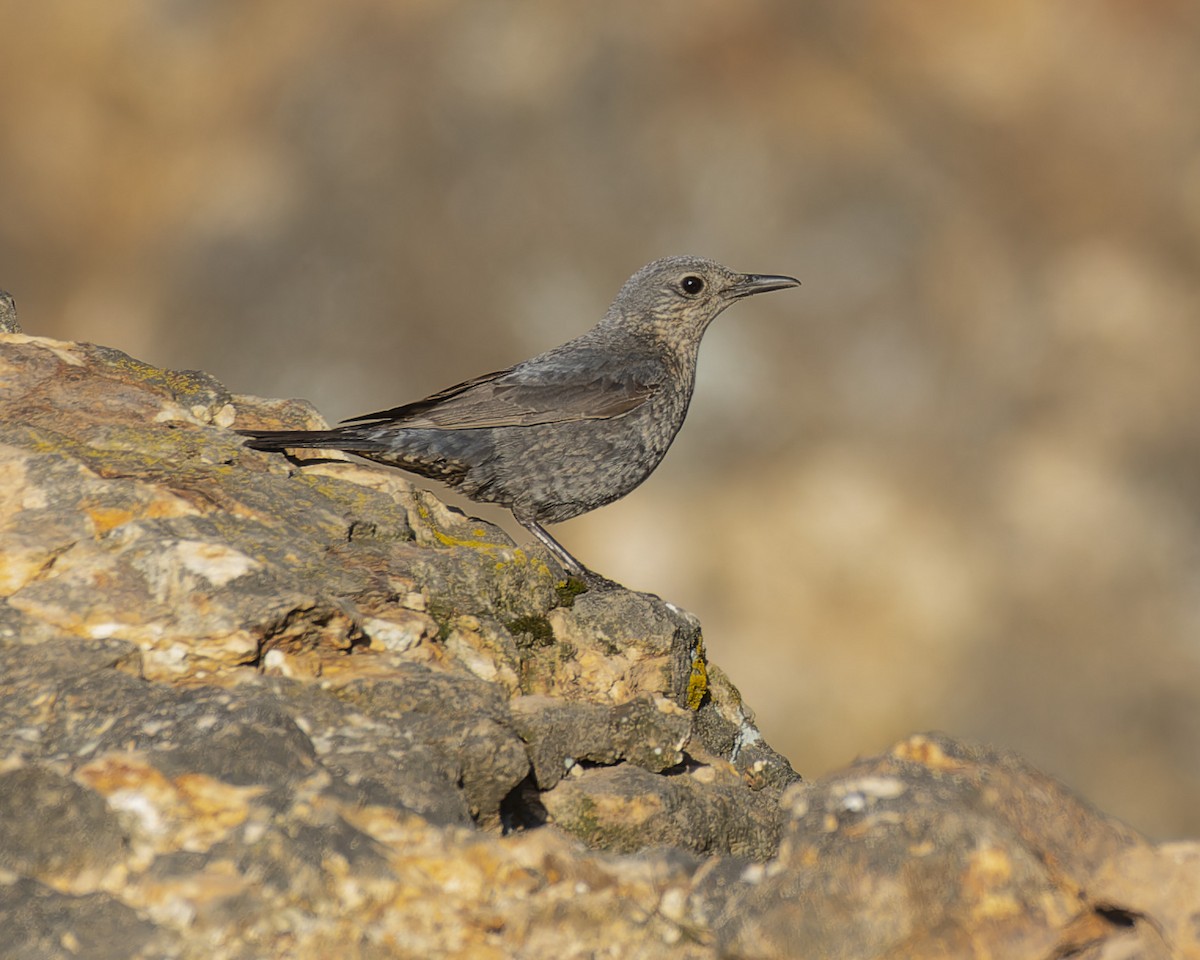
x=749, y=284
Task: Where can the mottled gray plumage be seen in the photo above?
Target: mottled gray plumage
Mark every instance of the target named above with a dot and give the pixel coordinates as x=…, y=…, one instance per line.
x=572, y=429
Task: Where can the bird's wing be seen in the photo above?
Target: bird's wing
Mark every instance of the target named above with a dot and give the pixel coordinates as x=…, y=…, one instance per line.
x=520, y=397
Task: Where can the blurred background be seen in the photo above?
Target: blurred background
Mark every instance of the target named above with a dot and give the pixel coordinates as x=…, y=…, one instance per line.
x=951, y=482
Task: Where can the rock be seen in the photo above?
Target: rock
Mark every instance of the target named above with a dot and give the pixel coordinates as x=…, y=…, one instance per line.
x=8, y=314
x=561, y=734
x=619, y=642
x=940, y=849
x=53, y=827
x=464, y=721
x=1155, y=893
x=39, y=923
x=258, y=707
x=627, y=808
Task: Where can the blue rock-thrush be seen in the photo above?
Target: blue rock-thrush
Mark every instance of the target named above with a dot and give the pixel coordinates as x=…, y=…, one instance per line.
x=572, y=429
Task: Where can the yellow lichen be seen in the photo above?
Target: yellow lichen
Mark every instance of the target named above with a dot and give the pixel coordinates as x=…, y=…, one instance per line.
x=697, y=687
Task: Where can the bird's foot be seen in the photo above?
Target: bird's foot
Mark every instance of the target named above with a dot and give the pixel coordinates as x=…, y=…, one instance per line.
x=571, y=567
x=583, y=582
x=593, y=581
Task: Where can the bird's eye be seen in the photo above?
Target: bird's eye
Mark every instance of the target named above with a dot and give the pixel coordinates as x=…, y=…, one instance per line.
x=692, y=285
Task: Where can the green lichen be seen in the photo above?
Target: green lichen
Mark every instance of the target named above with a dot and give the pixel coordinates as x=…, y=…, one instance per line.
x=530, y=631
x=567, y=590
x=144, y=451
x=584, y=821
x=192, y=387
x=371, y=515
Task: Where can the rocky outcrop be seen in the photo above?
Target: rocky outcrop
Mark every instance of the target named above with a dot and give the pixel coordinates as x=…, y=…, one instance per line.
x=255, y=707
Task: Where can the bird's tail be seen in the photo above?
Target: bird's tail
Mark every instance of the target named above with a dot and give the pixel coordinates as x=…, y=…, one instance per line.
x=351, y=440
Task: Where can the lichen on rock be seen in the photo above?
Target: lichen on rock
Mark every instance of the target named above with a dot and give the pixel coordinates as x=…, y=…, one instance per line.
x=253, y=706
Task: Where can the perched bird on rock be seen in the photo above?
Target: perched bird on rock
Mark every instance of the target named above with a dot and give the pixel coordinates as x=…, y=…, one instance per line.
x=572, y=429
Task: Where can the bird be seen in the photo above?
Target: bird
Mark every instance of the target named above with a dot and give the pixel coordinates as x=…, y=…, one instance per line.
x=571, y=429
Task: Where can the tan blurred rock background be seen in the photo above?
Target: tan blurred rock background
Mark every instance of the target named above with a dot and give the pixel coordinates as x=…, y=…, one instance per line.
x=952, y=482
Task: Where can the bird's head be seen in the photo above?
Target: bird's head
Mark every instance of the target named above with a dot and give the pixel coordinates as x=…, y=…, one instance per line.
x=676, y=298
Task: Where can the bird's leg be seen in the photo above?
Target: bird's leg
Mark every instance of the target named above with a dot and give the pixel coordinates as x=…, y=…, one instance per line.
x=572, y=566
x=569, y=563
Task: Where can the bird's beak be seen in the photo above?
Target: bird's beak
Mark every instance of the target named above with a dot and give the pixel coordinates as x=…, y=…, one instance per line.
x=749, y=284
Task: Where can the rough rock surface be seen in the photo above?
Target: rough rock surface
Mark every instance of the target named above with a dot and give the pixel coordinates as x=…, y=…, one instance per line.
x=259, y=708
